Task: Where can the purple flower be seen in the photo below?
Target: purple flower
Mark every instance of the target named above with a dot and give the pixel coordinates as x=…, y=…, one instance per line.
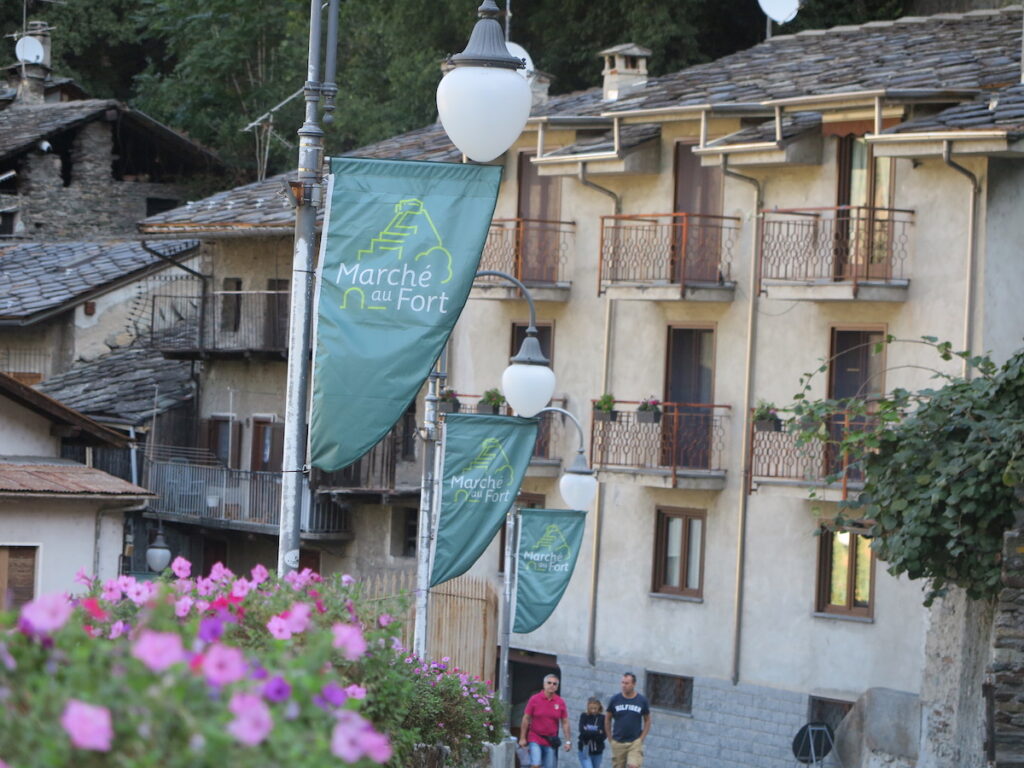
x=119, y=628
x=347, y=580
x=88, y=726
x=331, y=695
x=211, y=628
x=276, y=689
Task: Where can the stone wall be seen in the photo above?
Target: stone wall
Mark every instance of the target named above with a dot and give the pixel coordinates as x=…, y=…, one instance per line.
x=728, y=727
x=93, y=203
x=1006, y=668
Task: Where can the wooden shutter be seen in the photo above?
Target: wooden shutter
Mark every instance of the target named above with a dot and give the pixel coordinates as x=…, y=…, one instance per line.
x=17, y=576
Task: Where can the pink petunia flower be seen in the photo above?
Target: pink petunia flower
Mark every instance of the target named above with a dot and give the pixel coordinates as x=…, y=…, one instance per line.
x=182, y=606
x=158, y=650
x=278, y=627
x=252, y=722
x=219, y=572
x=88, y=726
x=46, y=614
x=241, y=587
x=139, y=592
x=111, y=591
x=354, y=737
x=260, y=574
x=347, y=580
x=385, y=619
x=205, y=587
x=355, y=691
x=223, y=664
x=349, y=639
x=181, y=567
x=81, y=577
x=124, y=581
x=119, y=628
x=297, y=618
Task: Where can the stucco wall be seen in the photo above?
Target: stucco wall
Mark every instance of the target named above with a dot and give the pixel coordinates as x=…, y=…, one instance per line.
x=65, y=532
x=24, y=432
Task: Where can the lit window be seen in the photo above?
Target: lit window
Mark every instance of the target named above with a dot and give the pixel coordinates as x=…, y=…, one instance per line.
x=679, y=552
x=845, y=566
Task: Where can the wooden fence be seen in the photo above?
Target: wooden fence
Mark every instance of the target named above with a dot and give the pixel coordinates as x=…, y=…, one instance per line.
x=463, y=618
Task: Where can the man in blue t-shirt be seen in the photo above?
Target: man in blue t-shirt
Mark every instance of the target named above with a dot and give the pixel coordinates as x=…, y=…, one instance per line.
x=627, y=720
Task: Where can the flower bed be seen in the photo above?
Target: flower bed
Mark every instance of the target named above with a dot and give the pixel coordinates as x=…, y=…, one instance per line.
x=226, y=671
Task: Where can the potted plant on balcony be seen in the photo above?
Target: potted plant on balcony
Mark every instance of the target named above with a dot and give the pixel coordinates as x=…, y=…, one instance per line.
x=604, y=407
x=649, y=410
x=492, y=401
x=448, y=401
x=766, y=417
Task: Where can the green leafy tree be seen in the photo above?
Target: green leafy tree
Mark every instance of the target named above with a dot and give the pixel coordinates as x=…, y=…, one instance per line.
x=939, y=465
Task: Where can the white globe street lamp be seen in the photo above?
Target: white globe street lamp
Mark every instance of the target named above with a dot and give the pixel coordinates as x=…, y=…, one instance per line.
x=482, y=102
x=578, y=485
x=158, y=554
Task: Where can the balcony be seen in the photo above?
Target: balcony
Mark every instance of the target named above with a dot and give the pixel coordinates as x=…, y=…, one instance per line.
x=379, y=473
x=535, y=251
x=217, y=497
x=778, y=458
x=667, y=257
x=224, y=324
x=836, y=254
x=682, y=448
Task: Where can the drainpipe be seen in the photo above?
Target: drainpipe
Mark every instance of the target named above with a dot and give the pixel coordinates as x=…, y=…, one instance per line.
x=133, y=453
x=947, y=150
x=748, y=384
x=609, y=314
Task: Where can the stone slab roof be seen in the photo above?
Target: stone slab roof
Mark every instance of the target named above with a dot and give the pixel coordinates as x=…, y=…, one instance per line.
x=38, y=477
x=999, y=111
x=794, y=125
x=22, y=126
x=980, y=49
x=630, y=137
x=39, y=278
x=119, y=386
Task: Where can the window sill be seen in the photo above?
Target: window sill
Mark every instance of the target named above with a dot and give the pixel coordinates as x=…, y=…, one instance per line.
x=843, y=617
x=678, y=598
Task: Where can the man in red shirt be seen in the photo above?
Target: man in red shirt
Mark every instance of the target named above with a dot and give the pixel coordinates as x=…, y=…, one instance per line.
x=544, y=710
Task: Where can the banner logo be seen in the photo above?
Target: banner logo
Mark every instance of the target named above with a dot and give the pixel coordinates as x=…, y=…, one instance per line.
x=550, y=553
x=387, y=280
x=494, y=480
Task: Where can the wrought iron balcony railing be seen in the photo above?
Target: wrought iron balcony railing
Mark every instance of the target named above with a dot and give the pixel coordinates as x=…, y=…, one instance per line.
x=844, y=243
x=536, y=251
x=548, y=428
x=684, y=436
x=232, y=498
x=778, y=454
x=375, y=471
x=666, y=248
x=222, y=322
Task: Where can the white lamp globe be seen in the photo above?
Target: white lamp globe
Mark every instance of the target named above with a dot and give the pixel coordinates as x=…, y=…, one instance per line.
x=483, y=109
x=527, y=388
x=158, y=555
x=578, y=489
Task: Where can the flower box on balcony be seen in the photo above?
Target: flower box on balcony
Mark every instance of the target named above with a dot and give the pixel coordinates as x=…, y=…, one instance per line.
x=768, y=425
x=600, y=415
x=648, y=417
x=488, y=408
x=448, y=406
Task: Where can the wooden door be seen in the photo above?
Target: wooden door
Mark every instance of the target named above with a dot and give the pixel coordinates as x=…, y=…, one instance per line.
x=540, y=206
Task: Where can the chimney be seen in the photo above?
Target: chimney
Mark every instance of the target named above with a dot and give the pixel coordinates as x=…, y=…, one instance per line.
x=625, y=67
x=32, y=88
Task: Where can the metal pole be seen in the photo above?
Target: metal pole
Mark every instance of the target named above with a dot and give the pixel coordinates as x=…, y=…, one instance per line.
x=307, y=192
x=511, y=550
x=426, y=521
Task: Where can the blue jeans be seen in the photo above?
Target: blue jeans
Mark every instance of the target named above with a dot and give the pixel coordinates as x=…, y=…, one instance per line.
x=542, y=755
x=590, y=759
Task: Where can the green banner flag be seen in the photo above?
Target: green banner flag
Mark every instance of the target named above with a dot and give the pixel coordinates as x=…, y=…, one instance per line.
x=401, y=244
x=483, y=464
x=549, y=543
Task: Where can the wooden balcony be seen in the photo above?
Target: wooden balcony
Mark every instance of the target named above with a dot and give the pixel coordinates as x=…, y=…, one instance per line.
x=223, y=324
x=682, y=447
x=667, y=257
x=376, y=473
x=535, y=251
x=215, y=496
x=778, y=458
x=836, y=254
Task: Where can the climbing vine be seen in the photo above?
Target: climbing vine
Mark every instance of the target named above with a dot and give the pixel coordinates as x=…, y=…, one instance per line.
x=939, y=467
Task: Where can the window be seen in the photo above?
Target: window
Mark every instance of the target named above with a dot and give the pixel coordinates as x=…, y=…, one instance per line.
x=224, y=440
x=855, y=371
x=405, y=525
x=829, y=711
x=231, y=305
x=670, y=692
x=267, y=445
x=17, y=576
x=545, y=335
x=845, y=573
x=679, y=552
x=538, y=243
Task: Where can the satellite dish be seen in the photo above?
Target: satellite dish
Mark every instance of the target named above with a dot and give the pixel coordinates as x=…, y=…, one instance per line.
x=29, y=51
x=812, y=743
x=514, y=49
x=780, y=11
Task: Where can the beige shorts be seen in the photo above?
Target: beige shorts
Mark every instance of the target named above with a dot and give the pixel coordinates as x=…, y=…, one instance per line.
x=629, y=753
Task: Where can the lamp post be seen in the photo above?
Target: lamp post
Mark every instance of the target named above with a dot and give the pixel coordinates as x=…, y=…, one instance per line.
x=158, y=554
x=483, y=108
